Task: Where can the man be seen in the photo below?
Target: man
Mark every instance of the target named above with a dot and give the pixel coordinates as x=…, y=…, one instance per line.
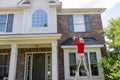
x=80, y=50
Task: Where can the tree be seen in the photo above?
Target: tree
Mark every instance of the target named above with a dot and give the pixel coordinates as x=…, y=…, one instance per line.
x=111, y=62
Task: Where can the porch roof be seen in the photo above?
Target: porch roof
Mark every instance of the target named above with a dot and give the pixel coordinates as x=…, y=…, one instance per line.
x=28, y=38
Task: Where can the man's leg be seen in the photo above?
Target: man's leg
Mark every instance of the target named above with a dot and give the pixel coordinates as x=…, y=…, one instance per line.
x=78, y=65
x=84, y=63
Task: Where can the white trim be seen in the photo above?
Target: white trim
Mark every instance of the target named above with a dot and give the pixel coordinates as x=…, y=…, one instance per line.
x=88, y=50
x=29, y=39
x=54, y=61
x=86, y=46
x=24, y=37
x=70, y=11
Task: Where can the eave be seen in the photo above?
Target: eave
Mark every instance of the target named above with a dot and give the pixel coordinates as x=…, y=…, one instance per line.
x=81, y=11
x=6, y=9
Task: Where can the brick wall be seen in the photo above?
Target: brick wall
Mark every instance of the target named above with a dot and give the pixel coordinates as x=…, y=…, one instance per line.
x=96, y=25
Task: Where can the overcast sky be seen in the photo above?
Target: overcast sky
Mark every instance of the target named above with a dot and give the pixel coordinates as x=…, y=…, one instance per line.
x=112, y=7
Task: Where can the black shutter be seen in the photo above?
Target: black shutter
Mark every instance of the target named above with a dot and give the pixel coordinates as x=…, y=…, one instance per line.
x=10, y=23
x=70, y=23
x=87, y=23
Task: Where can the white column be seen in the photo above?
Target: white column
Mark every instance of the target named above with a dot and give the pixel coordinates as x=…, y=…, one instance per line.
x=54, y=61
x=13, y=62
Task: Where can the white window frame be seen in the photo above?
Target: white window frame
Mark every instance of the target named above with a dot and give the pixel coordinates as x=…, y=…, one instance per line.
x=5, y=22
x=79, y=26
x=89, y=62
x=33, y=19
x=74, y=50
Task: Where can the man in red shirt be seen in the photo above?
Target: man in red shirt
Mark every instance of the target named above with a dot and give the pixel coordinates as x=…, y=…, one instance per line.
x=80, y=50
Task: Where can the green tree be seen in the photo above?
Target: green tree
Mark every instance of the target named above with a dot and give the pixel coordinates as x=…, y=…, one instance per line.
x=111, y=62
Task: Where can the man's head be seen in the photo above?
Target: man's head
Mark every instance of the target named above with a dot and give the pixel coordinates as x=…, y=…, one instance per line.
x=81, y=40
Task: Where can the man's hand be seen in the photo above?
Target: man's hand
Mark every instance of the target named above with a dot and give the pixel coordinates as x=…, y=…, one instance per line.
x=74, y=38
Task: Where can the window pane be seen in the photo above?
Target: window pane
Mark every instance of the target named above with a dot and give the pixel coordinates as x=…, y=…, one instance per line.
x=72, y=58
x=93, y=58
x=93, y=62
x=3, y=18
x=39, y=18
x=79, y=28
x=94, y=69
x=72, y=62
x=2, y=27
x=78, y=19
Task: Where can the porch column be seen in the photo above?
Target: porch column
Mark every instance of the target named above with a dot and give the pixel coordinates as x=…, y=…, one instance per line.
x=54, y=61
x=13, y=62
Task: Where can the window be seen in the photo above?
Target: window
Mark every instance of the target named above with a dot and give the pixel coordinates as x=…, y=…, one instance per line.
x=79, y=25
x=3, y=22
x=3, y=65
x=93, y=64
x=6, y=22
x=91, y=61
x=72, y=62
x=39, y=18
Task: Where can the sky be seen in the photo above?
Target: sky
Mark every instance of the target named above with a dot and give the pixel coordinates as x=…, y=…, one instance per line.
x=112, y=7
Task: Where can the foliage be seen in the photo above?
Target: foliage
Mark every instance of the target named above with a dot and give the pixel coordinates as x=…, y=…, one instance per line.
x=111, y=62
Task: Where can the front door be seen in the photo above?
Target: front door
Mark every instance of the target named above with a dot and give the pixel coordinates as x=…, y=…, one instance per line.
x=38, y=66
x=38, y=71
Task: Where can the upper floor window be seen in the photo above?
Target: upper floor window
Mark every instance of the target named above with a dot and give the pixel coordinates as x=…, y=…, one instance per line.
x=39, y=18
x=79, y=23
x=6, y=22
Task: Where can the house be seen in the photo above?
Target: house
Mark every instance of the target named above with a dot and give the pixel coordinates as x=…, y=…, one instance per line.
x=36, y=40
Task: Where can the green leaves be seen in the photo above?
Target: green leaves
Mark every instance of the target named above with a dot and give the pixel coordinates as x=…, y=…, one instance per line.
x=111, y=62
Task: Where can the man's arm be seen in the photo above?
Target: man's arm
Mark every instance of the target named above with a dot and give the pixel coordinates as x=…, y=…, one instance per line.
x=75, y=41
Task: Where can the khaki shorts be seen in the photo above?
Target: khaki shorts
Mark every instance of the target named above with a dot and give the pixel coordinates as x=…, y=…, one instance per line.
x=80, y=56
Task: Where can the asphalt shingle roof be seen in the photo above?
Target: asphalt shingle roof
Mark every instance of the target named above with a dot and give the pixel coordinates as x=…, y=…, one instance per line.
x=88, y=41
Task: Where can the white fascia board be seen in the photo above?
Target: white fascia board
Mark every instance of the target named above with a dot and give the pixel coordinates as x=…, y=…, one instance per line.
x=81, y=11
x=27, y=37
x=86, y=46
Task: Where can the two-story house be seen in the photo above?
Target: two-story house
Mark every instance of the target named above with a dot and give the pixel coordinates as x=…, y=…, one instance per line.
x=36, y=43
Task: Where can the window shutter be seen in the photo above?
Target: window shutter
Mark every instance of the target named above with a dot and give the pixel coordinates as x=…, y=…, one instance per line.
x=70, y=23
x=10, y=23
x=87, y=23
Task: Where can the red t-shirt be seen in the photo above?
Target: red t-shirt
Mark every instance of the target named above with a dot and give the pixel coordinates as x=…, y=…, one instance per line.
x=80, y=47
